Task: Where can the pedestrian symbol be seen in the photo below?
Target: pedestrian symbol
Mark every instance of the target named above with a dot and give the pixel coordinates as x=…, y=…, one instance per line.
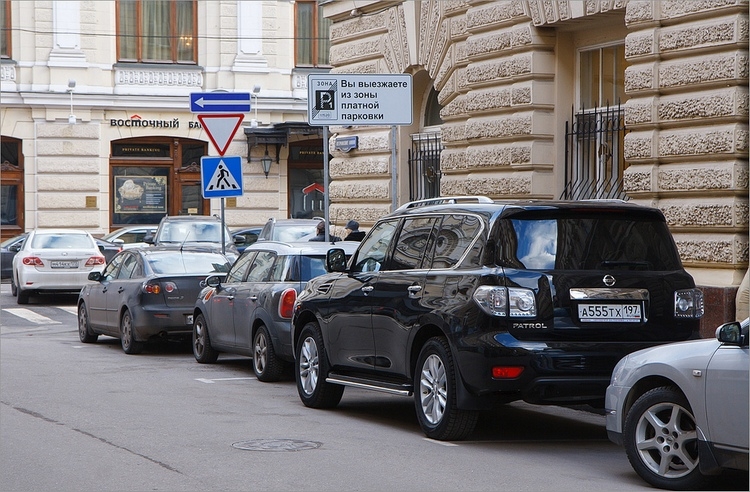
x=221, y=176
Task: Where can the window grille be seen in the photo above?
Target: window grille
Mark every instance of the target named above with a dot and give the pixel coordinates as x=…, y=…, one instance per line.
x=424, y=166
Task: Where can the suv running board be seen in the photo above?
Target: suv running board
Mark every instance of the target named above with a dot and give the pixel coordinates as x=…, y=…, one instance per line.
x=392, y=388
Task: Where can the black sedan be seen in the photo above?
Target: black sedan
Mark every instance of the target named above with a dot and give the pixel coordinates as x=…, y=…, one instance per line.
x=144, y=294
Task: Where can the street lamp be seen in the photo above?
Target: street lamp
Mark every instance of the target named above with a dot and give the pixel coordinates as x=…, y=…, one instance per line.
x=266, y=161
x=71, y=86
x=254, y=121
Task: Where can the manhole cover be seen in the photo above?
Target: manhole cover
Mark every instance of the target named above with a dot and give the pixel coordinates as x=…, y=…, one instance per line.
x=276, y=445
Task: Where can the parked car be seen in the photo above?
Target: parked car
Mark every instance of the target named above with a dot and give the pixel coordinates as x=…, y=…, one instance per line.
x=465, y=303
x=145, y=293
x=131, y=236
x=289, y=230
x=249, y=234
x=249, y=313
x=108, y=249
x=8, y=250
x=54, y=260
x=187, y=230
x=681, y=409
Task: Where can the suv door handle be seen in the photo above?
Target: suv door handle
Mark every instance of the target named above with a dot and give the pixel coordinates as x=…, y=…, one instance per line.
x=367, y=289
x=254, y=298
x=414, y=290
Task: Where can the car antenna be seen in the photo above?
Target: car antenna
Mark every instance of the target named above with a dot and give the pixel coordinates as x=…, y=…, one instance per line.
x=185, y=240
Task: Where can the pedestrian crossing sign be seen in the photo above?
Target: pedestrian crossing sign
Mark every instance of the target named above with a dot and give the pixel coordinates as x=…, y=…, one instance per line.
x=221, y=176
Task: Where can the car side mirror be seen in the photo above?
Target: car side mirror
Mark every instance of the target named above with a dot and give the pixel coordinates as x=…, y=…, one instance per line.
x=148, y=239
x=730, y=333
x=239, y=240
x=212, y=281
x=95, y=276
x=16, y=248
x=118, y=241
x=336, y=260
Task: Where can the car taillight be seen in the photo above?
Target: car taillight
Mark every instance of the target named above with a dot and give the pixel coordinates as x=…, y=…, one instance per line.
x=286, y=303
x=688, y=303
x=506, y=301
x=95, y=260
x=152, y=288
x=33, y=261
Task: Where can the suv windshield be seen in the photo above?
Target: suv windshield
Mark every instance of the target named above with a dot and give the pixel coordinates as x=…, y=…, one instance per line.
x=587, y=244
x=194, y=232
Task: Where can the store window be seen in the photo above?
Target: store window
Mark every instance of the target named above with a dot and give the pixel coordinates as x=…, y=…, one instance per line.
x=312, y=42
x=306, y=192
x=156, y=31
x=6, y=29
x=11, y=187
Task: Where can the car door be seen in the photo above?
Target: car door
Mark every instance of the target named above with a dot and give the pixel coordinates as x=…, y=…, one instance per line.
x=348, y=317
x=249, y=296
x=221, y=312
x=96, y=300
x=398, y=292
x=727, y=396
x=124, y=289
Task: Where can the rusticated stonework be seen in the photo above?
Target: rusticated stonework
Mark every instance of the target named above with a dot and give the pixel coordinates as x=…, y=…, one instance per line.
x=695, y=179
x=699, y=215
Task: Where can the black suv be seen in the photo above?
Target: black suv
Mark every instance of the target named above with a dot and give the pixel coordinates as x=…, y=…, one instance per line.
x=466, y=303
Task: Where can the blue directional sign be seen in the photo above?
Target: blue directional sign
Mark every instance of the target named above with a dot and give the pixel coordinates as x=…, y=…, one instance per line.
x=220, y=102
x=221, y=176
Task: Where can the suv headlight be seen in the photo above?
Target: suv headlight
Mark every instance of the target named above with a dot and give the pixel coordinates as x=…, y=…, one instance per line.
x=688, y=303
x=506, y=301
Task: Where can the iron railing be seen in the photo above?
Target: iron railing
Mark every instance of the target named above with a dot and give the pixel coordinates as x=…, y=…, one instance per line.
x=424, y=166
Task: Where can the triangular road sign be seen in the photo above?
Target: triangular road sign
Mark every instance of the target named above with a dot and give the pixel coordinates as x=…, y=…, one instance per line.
x=221, y=128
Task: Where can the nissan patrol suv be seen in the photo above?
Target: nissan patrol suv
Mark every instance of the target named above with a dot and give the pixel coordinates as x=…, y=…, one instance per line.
x=465, y=303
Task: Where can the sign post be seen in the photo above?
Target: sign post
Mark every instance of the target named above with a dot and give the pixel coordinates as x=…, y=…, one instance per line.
x=359, y=99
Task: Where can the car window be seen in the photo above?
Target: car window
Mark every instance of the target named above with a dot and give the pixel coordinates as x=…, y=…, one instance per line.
x=311, y=267
x=372, y=251
x=280, y=270
x=110, y=271
x=457, y=234
x=261, y=266
x=292, y=233
x=62, y=241
x=195, y=263
x=238, y=270
x=128, y=267
x=414, y=239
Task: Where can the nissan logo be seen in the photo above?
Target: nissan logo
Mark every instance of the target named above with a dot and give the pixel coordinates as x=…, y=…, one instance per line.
x=608, y=280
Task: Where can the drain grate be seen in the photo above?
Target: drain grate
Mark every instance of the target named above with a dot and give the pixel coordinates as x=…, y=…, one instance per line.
x=276, y=445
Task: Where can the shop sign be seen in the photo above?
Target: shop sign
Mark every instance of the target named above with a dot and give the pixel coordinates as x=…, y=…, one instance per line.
x=141, y=194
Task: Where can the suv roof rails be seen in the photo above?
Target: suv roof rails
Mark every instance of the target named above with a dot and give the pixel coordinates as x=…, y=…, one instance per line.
x=445, y=200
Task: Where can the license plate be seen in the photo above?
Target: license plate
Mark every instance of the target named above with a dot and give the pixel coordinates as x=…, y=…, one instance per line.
x=189, y=319
x=64, y=264
x=610, y=313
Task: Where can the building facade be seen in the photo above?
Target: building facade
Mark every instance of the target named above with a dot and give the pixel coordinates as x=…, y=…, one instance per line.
x=549, y=99
x=95, y=120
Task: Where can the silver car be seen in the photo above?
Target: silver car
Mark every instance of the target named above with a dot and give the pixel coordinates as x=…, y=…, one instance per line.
x=681, y=409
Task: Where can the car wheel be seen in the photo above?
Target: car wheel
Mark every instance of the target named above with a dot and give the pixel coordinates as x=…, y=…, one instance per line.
x=661, y=440
x=435, y=395
x=22, y=296
x=84, y=330
x=311, y=368
x=202, y=349
x=127, y=335
x=267, y=366
x=13, y=288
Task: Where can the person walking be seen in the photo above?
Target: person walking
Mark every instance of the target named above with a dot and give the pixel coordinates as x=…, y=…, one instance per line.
x=321, y=233
x=353, y=232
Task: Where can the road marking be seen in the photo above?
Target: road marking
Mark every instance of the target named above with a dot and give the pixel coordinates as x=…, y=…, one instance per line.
x=442, y=443
x=211, y=381
x=70, y=309
x=29, y=315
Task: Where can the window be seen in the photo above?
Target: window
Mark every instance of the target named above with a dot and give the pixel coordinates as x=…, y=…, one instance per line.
x=312, y=41
x=5, y=26
x=237, y=273
x=371, y=254
x=261, y=266
x=156, y=31
x=415, y=238
x=456, y=234
x=11, y=186
x=602, y=79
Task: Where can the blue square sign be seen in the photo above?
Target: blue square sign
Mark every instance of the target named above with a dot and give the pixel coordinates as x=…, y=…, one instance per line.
x=221, y=177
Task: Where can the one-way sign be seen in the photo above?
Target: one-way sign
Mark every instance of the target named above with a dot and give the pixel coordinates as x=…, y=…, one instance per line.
x=220, y=102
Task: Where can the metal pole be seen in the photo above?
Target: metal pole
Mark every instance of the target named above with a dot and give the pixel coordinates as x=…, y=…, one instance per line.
x=394, y=171
x=223, y=227
x=326, y=181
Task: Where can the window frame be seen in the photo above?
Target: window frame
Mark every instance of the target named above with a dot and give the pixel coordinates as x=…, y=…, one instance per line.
x=315, y=38
x=173, y=34
x=7, y=31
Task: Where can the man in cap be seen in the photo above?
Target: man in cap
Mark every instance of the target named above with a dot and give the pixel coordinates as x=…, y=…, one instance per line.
x=353, y=232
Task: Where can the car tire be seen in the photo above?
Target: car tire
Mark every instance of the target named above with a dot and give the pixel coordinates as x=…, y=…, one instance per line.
x=13, y=288
x=127, y=335
x=311, y=369
x=202, y=349
x=84, y=328
x=22, y=296
x=266, y=364
x=435, y=394
x=661, y=440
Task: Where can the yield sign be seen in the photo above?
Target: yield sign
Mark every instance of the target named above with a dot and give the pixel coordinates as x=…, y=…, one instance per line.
x=221, y=128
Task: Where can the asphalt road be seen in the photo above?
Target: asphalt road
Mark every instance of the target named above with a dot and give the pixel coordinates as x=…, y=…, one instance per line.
x=84, y=417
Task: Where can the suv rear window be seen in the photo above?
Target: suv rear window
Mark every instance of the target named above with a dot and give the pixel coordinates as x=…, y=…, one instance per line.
x=583, y=243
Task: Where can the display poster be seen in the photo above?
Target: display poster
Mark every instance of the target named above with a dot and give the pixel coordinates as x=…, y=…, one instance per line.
x=141, y=194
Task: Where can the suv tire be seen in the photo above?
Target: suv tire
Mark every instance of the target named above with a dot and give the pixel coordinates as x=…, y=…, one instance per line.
x=435, y=394
x=311, y=369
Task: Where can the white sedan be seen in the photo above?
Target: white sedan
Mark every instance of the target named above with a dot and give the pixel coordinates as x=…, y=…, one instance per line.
x=681, y=409
x=54, y=260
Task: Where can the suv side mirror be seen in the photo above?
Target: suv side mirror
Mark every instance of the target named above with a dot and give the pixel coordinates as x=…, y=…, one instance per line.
x=336, y=260
x=148, y=239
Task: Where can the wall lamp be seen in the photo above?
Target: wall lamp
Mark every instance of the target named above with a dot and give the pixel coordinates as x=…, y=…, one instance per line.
x=254, y=121
x=71, y=87
x=266, y=161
